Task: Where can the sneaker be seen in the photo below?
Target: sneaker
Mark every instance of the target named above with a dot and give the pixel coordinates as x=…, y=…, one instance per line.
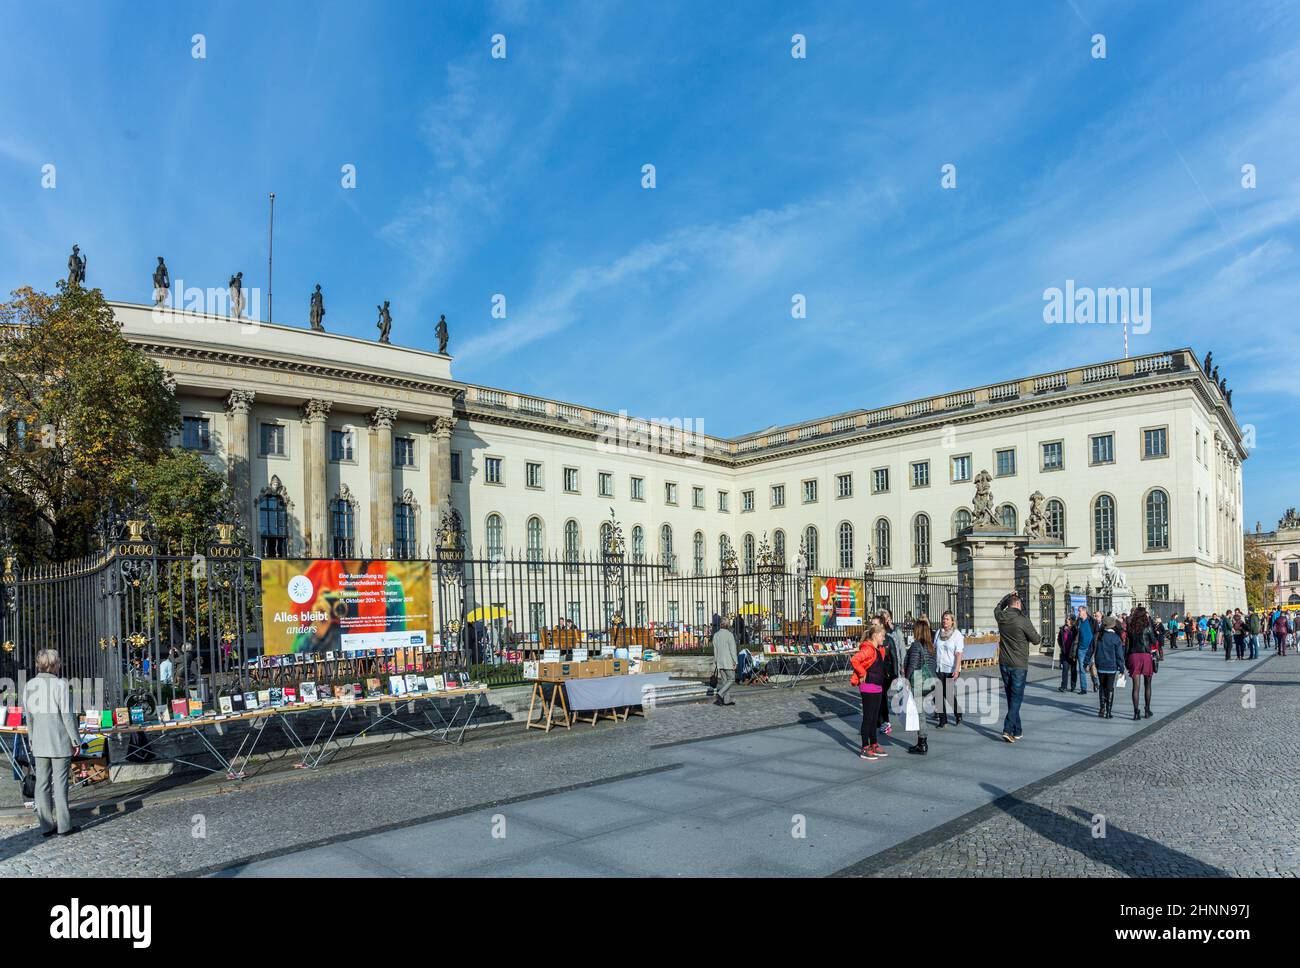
x=878, y=751
x=866, y=754
x=1008, y=737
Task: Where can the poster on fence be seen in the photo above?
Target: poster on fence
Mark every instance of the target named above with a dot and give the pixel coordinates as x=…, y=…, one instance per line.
x=839, y=601
x=329, y=605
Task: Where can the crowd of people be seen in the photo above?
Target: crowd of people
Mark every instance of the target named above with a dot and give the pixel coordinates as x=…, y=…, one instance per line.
x=1108, y=651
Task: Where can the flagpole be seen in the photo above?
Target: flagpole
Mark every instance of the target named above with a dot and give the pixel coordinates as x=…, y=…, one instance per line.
x=1125, y=331
x=270, y=261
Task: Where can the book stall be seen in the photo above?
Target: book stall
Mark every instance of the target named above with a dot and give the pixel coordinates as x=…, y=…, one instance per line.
x=277, y=690
x=798, y=660
x=571, y=685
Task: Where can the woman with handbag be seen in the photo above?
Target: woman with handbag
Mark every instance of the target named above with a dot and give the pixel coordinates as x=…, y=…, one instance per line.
x=869, y=676
x=1107, y=664
x=1141, y=664
x=948, y=646
x=918, y=672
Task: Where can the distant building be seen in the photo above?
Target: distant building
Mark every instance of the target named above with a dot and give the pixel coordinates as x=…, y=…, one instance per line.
x=1283, y=550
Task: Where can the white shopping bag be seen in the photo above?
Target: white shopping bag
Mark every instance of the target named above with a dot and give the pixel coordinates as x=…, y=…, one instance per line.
x=1119, y=681
x=911, y=718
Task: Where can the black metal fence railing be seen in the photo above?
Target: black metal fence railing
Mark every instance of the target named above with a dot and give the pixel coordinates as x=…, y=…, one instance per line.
x=118, y=617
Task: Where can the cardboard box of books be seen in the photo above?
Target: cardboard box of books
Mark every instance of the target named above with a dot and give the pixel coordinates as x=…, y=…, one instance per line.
x=594, y=669
x=617, y=667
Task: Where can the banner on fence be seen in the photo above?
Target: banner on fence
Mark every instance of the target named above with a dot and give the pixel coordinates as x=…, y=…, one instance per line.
x=839, y=601
x=327, y=605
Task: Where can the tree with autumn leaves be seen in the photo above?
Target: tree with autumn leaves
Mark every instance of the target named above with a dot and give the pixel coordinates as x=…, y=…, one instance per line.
x=87, y=423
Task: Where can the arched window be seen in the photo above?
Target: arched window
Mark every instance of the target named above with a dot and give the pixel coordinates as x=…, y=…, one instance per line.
x=342, y=528
x=403, y=530
x=572, y=543
x=273, y=525
x=1103, y=525
x=921, y=540
x=882, y=543
x=778, y=545
x=536, y=539
x=748, y=545
x=810, y=546
x=606, y=533
x=496, y=537
x=1007, y=515
x=724, y=548
x=961, y=521
x=846, y=545
x=1157, y=516
x=1056, y=519
x=697, y=549
x=666, y=547
x=638, y=544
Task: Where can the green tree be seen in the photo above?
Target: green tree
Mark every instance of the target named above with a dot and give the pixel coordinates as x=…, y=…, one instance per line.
x=88, y=421
x=1259, y=588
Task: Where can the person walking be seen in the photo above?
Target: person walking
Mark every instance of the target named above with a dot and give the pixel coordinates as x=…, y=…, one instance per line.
x=1239, y=632
x=1088, y=630
x=948, y=646
x=1016, y=633
x=1141, y=663
x=724, y=658
x=1254, y=629
x=1279, y=633
x=895, y=656
x=1066, y=638
x=1225, y=635
x=1107, y=664
x=915, y=667
x=869, y=676
x=53, y=736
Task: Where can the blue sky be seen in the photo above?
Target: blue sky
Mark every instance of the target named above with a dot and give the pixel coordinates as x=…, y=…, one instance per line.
x=775, y=176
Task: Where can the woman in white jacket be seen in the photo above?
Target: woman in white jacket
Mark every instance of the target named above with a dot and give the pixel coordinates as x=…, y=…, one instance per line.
x=948, y=645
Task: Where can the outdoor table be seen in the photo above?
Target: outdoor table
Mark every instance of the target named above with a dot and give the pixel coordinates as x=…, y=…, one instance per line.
x=608, y=697
x=810, y=663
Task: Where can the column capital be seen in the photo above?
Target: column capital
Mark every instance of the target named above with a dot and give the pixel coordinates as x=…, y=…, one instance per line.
x=382, y=418
x=316, y=410
x=440, y=427
x=239, y=403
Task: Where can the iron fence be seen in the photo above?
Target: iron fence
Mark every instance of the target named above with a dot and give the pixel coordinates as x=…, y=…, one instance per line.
x=117, y=618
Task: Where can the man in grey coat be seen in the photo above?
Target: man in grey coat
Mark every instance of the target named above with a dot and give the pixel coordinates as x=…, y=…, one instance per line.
x=54, y=737
x=724, y=657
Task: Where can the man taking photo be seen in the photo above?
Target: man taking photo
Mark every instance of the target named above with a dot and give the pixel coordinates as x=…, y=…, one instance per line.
x=1016, y=633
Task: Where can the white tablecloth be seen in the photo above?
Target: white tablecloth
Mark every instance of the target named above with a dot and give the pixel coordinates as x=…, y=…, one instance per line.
x=610, y=692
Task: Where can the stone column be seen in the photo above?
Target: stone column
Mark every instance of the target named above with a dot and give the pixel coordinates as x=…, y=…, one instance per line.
x=381, y=480
x=439, y=429
x=315, y=516
x=989, y=558
x=238, y=469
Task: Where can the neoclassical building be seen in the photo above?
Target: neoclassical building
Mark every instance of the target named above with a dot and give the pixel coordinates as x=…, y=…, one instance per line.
x=1282, y=548
x=340, y=446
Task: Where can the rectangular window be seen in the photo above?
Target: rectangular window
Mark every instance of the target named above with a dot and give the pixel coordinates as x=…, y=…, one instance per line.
x=533, y=475
x=341, y=445
x=1155, y=442
x=723, y=501
x=697, y=497
x=404, y=451
x=1103, y=449
x=571, y=480
x=961, y=468
x=747, y=500
x=272, y=440
x=638, y=488
x=880, y=480
x=670, y=492
x=843, y=485
x=455, y=465
x=1293, y=571
x=921, y=473
x=810, y=492
x=605, y=482
x=1157, y=593
x=1005, y=461
x=778, y=495
x=1053, y=455
x=195, y=434
x=492, y=470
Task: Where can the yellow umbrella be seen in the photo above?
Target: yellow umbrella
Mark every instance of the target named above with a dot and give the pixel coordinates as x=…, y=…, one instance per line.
x=487, y=614
x=749, y=608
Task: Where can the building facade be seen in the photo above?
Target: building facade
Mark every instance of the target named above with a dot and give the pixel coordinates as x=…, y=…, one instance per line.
x=346, y=447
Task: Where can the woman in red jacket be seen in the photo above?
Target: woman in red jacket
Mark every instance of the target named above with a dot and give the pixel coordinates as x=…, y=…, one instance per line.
x=869, y=676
